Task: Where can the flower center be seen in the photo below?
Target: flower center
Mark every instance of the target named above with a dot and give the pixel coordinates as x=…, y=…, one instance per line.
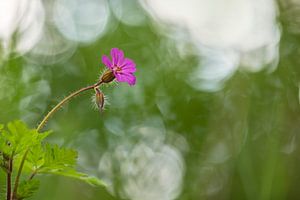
x=117, y=69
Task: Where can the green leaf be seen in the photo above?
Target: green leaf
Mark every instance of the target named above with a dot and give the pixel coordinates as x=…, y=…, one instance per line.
x=4, y=143
x=17, y=137
x=72, y=173
x=35, y=157
x=27, y=188
x=62, y=161
x=56, y=158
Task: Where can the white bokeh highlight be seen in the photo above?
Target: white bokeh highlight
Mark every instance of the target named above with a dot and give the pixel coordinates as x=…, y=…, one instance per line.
x=80, y=20
x=128, y=12
x=49, y=32
x=25, y=19
x=243, y=33
x=149, y=169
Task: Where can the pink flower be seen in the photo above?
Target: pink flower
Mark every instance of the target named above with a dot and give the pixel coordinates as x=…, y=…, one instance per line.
x=123, y=68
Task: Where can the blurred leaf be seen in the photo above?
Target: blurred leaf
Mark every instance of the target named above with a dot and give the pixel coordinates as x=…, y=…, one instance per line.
x=28, y=188
x=62, y=161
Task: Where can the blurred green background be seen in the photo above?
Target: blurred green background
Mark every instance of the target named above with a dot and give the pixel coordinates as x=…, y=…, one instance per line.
x=171, y=136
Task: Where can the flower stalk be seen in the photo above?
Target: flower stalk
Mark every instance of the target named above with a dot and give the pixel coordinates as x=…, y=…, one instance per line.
x=40, y=126
x=119, y=68
x=65, y=100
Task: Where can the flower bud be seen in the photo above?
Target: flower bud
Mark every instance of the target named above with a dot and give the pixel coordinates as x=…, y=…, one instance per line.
x=107, y=77
x=99, y=99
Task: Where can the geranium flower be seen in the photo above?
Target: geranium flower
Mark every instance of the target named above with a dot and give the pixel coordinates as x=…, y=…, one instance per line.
x=122, y=68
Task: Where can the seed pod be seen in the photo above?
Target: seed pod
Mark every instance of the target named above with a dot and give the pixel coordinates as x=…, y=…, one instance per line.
x=107, y=77
x=99, y=99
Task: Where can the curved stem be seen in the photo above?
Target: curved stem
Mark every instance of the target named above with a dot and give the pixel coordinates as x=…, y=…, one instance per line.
x=40, y=126
x=46, y=118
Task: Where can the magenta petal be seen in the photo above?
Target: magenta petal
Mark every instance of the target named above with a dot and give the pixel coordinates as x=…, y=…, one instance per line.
x=123, y=68
x=106, y=62
x=114, y=56
x=128, y=66
x=120, y=57
x=132, y=81
x=126, y=77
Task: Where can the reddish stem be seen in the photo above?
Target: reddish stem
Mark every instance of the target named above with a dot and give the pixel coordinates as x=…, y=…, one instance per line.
x=8, y=179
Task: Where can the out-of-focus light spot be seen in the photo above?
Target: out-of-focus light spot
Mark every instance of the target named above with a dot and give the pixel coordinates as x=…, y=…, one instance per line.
x=216, y=66
x=291, y=146
x=50, y=37
x=7, y=92
x=147, y=168
x=21, y=23
x=219, y=153
x=212, y=180
x=52, y=48
x=265, y=56
x=114, y=125
x=245, y=28
x=35, y=103
x=80, y=20
x=159, y=176
x=134, y=96
x=151, y=136
x=237, y=24
x=35, y=95
x=163, y=102
x=128, y=12
x=87, y=144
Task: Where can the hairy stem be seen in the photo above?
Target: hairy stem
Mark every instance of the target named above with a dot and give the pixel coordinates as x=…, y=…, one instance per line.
x=61, y=103
x=40, y=126
x=8, y=178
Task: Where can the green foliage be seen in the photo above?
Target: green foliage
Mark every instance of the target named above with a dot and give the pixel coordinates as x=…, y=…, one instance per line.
x=28, y=188
x=41, y=158
x=77, y=175
x=18, y=137
x=52, y=159
x=56, y=158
